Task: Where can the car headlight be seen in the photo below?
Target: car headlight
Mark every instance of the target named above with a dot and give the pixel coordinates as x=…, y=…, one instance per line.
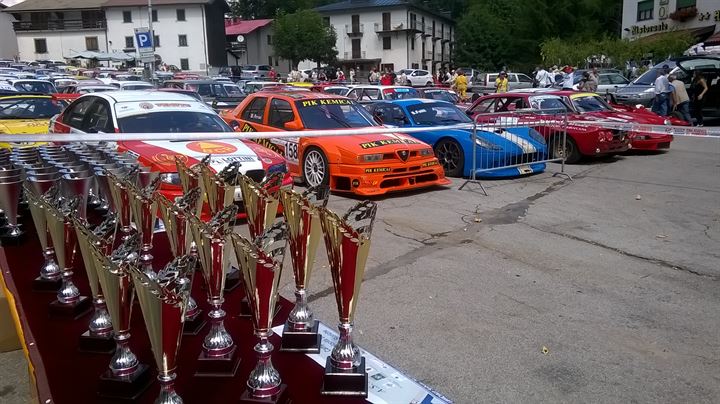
x=277, y=168
x=485, y=144
x=426, y=152
x=368, y=158
x=170, y=178
x=536, y=136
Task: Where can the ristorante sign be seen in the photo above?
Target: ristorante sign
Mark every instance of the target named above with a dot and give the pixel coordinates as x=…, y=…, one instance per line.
x=647, y=29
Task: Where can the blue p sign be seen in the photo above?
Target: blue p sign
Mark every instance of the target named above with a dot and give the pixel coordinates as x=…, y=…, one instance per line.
x=144, y=40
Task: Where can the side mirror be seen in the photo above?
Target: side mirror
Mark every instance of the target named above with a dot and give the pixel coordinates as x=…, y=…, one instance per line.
x=235, y=125
x=292, y=125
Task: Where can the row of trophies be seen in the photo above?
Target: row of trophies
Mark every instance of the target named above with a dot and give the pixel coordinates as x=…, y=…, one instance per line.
x=58, y=183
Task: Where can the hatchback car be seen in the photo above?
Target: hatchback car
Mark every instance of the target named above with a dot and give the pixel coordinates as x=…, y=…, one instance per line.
x=255, y=72
x=370, y=93
x=417, y=77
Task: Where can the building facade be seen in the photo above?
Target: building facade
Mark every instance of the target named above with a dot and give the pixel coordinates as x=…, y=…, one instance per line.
x=392, y=34
x=642, y=18
x=188, y=33
x=8, y=44
x=250, y=42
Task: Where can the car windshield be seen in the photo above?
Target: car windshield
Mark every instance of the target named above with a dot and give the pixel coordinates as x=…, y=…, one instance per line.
x=133, y=87
x=173, y=122
x=29, y=108
x=400, y=93
x=35, y=87
x=442, y=96
x=330, y=113
x=547, y=104
x=209, y=90
x=590, y=103
x=437, y=114
x=232, y=90
x=249, y=67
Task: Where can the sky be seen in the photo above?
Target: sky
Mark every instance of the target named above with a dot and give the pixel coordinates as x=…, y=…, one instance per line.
x=10, y=2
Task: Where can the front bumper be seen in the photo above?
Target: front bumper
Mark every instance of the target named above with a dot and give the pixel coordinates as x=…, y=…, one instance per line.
x=379, y=179
x=634, y=99
x=651, y=142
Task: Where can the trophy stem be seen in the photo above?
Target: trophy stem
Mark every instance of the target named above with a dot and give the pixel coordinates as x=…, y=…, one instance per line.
x=264, y=380
x=68, y=293
x=167, y=389
x=146, y=260
x=192, y=308
x=345, y=355
x=100, y=323
x=50, y=269
x=300, y=318
x=126, y=232
x=124, y=362
x=218, y=342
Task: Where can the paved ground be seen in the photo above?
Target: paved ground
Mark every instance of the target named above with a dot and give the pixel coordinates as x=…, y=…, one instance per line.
x=615, y=275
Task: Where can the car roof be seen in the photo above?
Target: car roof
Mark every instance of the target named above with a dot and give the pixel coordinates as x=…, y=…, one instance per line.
x=414, y=101
x=380, y=87
x=22, y=95
x=140, y=95
x=299, y=95
x=30, y=80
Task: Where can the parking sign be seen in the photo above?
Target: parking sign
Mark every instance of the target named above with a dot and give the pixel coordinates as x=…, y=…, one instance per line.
x=144, y=39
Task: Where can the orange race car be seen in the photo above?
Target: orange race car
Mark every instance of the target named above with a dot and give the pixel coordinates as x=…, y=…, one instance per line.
x=362, y=164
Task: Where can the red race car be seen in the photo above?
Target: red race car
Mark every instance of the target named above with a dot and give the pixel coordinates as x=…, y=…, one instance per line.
x=540, y=114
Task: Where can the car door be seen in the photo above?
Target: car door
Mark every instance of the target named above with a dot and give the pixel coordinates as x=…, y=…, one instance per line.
x=280, y=112
x=522, y=81
x=72, y=120
x=99, y=118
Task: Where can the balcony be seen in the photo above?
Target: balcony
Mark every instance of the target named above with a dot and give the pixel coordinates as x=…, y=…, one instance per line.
x=354, y=55
x=428, y=55
x=427, y=31
x=354, y=30
x=396, y=26
x=59, y=25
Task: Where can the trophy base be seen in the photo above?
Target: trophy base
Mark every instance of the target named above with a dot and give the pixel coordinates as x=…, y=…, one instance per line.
x=245, y=308
x=90, y=343
x=301, y=341
x=41, y=284
x=218, y=366
x=194, y=325
x=129, y=387
x=280, y=398
x=232, y=281
x=346, y=383
x=8, y=240
x=71, y=310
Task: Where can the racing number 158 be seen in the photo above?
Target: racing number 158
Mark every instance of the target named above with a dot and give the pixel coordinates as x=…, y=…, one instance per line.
x=291, y=151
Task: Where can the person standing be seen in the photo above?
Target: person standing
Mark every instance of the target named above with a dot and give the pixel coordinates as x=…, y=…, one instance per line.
x=340, y=75
x=352, y=75
x=699, y=88
x=662, y=91
x=461, y=84
x=272, y=74
x=568, y=78
x=593, y=79
x=680, y=98
x=543, y=77
x=501, y=83
x=585, y=83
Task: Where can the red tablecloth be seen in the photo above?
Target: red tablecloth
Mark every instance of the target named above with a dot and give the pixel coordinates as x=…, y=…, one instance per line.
x=67, y=376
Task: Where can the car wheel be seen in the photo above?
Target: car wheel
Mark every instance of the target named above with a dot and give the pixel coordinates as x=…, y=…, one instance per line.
x=315, y=167
x=451, y=156
x=570, y=152
x=429, y=84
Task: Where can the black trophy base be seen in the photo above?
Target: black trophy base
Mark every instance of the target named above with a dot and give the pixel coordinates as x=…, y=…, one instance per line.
x=307, y=341
x=8, y=240
x=102, y=344
x=41, y=284
x=194, y=325
x=129, y=387
x=280, y=398
x=71, y=310
x=232, y=281
x=218, y=366
x=245, y=308
x=346, y=383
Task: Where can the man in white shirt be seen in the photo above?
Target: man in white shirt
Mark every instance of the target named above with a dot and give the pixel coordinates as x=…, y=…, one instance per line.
x=662, y=92
x=543, y=78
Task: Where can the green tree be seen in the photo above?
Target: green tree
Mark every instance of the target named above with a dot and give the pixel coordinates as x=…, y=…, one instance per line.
x=254, y=9
x=303, y=35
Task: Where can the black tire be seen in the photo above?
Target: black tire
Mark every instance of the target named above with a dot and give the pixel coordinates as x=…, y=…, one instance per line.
x=571, y=151
x=429, y=84
x=451, y=157
x=315, y=167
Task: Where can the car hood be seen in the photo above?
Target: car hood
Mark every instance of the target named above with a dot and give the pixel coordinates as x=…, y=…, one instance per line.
x=24, y=126
x=508, y=139
x=633, y=89
x=379, y=143
x=161, y=154
x=625, y=117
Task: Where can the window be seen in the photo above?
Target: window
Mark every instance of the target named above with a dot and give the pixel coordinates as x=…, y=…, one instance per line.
x=415, y=65
x=270, y=60
x=326, y=21
x=154, y=15
x=269, y=39
x=98, y=119
x=91, y=43
x=41, y=45
x=524, y=79
x=182, y=40
x=484, y=106
x=685, y=4
x=355, y=23
x=387, y=42
x=255, y=112
x=280, y=113
x=413, y=21
x=156, y=41
x=129, y=42
x=76, y=112
x=356, y=49
x=180, y=14
x=127, y=16
x=185, y=64
x=412, y=43
x=386, y=21
x=645, y=10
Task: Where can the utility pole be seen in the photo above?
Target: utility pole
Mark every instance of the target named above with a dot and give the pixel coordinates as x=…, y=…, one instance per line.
x=152, y=33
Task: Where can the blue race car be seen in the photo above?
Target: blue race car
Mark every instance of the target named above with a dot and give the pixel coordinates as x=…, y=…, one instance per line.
x=507, y=152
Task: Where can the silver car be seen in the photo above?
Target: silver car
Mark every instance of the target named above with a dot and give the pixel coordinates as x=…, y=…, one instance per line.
x=255, y=72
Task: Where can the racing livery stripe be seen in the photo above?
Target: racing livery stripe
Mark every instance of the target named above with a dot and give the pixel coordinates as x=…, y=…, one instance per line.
x=218, y=161
x=523, y=144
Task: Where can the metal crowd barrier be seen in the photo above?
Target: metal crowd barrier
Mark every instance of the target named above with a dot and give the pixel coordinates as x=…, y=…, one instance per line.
x=545, y=142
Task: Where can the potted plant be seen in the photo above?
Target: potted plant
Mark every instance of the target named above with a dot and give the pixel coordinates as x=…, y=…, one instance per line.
x=684, y=14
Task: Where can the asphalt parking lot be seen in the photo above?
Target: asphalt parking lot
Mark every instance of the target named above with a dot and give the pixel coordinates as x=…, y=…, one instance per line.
x=602, y=289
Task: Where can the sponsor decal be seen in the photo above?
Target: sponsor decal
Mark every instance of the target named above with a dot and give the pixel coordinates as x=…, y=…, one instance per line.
x=146, y=105
x=209, y=147
x=247, y=128
x=269, y=144
x=172, y=105
x=377, y=170
x=168, y=158
x=430, y=163
x=324, y=101
x=385, y=142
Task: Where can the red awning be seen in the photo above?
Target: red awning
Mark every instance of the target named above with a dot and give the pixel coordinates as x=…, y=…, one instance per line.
x=244, y=27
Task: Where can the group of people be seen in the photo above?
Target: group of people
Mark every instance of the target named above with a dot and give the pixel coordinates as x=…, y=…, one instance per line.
x=299, y=76
x=545, y=78
x=671, y=96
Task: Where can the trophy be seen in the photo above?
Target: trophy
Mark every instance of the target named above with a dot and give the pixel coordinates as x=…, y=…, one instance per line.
x=10, y=187
x=163, y=300
x=261, y=202
x=219, y=188
x=77, y=184
x=300, y=333
x=98, y=337
x=144, y=212
x=125, y=377
x=348, y=242
x=219, y=356
x=190, y=178
x=175, y=219
x=59, y=216
x=50, y=274
x=261, y=266
x=120, y=193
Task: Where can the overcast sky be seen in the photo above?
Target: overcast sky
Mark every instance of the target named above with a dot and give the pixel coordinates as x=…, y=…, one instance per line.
x=10, y=2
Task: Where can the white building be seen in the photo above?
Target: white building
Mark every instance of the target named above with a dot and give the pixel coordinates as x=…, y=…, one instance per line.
x=189, y=33
x=642, y=18
x=250, y=43
x=392, y=34
x=8, y=44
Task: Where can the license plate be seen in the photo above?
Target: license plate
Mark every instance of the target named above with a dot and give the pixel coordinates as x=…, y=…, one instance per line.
x=238, y=194
x=525, y=169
